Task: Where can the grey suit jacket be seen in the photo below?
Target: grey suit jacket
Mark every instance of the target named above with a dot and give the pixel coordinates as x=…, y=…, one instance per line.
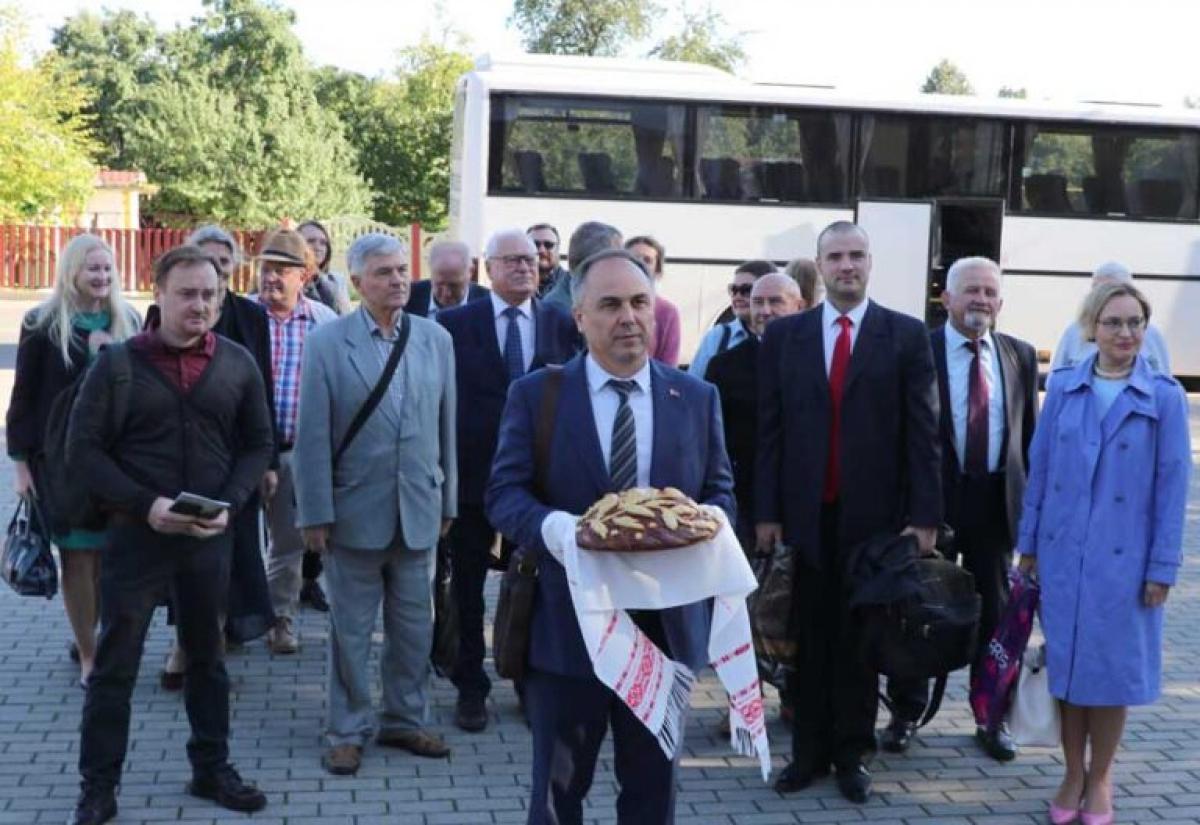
x=383, y=481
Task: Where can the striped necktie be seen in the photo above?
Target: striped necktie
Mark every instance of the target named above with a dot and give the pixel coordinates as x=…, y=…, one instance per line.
x=514, y=358
x=622, y=461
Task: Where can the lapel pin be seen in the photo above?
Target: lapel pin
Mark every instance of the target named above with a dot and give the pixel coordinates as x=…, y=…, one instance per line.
x=673, y=393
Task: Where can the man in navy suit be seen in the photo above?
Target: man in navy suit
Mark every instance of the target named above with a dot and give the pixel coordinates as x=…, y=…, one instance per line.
x=676, y=424
x=496, y=340
x=449, y=282
x=848, y=450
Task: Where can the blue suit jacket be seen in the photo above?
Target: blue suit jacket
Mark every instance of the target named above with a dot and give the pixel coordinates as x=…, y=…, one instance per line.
x=688, y=453
x=483, y=380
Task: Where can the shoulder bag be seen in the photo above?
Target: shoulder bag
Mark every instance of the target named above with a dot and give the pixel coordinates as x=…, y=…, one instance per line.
x=27, y=563
x=381, y=386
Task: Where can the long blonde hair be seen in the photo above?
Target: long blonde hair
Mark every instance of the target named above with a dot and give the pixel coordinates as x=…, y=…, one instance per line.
x=56, y=313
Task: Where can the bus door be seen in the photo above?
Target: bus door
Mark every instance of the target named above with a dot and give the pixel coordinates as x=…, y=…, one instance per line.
x=900, y=233
x=962, y=228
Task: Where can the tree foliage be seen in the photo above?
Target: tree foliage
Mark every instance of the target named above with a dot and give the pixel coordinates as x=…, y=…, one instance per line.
x=221, y=114
x=45, y=163
x=702, y=40
x=947, y=79
x=1008, y=91
x=586, y=27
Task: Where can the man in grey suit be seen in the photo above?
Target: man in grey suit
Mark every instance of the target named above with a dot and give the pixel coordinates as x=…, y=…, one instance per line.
x=376, y=513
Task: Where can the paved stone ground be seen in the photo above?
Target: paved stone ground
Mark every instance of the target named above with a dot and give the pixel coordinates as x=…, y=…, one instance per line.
x=278, y=705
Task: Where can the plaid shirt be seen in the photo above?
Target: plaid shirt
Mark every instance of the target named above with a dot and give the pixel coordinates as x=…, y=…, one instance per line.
x=287, y=348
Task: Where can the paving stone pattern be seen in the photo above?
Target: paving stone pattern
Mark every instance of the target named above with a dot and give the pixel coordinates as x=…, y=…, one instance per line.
x=279, y=702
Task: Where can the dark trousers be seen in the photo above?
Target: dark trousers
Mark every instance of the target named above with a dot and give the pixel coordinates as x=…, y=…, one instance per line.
x=471, y=538
x=312, y=566
x=984, y=549
x=834, y=691
x=250, y=614
x=569, y=718
x=140, y=569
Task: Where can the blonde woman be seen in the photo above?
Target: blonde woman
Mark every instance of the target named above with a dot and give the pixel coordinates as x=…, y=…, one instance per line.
x=59, y=338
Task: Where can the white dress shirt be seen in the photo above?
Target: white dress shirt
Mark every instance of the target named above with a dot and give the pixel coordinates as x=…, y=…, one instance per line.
x=832, y=329
x=524, y=325
x=435, y=307
x=958, y=378
x=605, y=401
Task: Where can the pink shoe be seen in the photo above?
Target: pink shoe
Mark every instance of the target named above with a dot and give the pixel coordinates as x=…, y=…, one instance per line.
x=1064, y=816
x=1096, y=819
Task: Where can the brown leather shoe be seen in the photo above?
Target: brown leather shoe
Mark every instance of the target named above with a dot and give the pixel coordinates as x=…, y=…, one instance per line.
x=281, y=639
x=342, y=760
x=420, y=742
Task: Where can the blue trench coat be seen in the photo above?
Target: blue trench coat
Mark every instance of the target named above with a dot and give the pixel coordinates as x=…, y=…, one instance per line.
x=1103, y=513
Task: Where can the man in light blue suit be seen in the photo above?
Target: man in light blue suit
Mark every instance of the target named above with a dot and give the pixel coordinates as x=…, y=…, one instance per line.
x=377, y=511
x=621, y=421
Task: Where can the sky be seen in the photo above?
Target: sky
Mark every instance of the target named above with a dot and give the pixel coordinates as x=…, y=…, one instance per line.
x=1137, y=51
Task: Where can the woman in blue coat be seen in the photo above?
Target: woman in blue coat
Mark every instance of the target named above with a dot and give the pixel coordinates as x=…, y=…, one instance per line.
x=1102, y=526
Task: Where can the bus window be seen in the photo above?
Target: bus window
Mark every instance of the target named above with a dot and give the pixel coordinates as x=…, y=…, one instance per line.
x=580, y=146
x=1110, y=171
x=758, y=153
x=925, y=157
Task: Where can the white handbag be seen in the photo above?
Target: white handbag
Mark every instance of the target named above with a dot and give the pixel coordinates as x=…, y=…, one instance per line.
x=1033, y=716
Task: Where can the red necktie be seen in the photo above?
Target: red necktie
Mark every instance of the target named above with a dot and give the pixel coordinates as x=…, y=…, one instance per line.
x=976, y=461
x=837, y=382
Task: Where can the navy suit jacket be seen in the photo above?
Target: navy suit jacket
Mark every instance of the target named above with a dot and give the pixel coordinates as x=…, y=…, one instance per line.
x=688, y=453
x=890, y=473
x=418, y=296
x=483, y=381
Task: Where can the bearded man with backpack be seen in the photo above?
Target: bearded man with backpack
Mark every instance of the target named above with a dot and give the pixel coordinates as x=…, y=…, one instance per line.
x=201, y=425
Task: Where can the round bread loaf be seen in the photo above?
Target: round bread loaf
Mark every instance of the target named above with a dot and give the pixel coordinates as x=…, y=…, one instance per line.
x=644, y=518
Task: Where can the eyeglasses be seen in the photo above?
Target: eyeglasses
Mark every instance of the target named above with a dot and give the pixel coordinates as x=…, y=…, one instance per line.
x=513, y=261
x=1114, y=325
x=741, y=290
x=545, y=244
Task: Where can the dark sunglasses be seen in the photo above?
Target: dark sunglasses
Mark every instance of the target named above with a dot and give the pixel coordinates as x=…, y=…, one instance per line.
x=545, y=244
x=741, y=290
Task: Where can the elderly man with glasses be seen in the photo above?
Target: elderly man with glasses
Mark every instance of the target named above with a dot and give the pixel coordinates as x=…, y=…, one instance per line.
x=727, y=335
x=496, y=341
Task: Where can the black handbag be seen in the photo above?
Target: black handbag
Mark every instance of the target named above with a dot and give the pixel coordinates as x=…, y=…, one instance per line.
x=518, y=587
x=27, y=563
x=445, y=615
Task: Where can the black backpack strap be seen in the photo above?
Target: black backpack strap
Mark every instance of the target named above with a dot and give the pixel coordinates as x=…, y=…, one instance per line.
x=544, y=428
x=121, y=379
x=932, y=707
x=381, y=386
x=726, y=334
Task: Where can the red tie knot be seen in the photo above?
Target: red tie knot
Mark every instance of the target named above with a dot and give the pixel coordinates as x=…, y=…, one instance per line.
x=844, y=322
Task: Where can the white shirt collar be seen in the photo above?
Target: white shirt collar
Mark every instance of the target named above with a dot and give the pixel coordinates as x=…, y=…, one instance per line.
x=830, y=314
x=955, y=339
x=439, y=307
x=598, y=377
x=498, y=306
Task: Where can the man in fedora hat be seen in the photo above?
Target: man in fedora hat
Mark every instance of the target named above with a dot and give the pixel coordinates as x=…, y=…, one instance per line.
x=284, y=264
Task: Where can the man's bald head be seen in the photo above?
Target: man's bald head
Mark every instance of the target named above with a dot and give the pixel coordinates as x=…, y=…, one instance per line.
x=774, y=295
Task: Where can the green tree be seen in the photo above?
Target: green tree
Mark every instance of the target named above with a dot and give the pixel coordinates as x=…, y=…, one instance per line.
x=947, y=79
x=45, y=163
x=587, y=27
x=221, y=114
x=702, y=40
x=1008, y=91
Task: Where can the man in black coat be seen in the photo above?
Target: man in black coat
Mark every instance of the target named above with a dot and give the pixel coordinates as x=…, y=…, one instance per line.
x=987, y=385
x=735, y=375
x=862, y=376
x=449, y=283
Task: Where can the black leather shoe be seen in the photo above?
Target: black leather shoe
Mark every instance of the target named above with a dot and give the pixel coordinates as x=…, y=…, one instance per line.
x=470, y=713
x=228, y=790
x=897, y=736
x=796, y=777
x=997, y=743
x=854, y=781
x=96, y=805
x=312, y=595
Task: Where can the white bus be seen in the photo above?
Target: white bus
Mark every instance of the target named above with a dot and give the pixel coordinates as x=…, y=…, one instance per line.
x=722, y=170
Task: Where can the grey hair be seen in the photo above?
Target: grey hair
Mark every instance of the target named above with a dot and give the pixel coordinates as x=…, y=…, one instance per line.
x=588, y=239
x=372, y=245
x=215, y=234
x=1114, y=270
x=440, y=249
x=579, y=278
x=503, y=235
x=963, y=264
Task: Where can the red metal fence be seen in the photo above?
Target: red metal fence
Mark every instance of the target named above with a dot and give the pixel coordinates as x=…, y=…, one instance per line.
x=28, y=254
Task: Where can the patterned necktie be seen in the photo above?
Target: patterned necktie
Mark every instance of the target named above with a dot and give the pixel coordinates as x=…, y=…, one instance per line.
x=514, y=358
x=622, y=458
x=838, y=367
x=975, y=462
